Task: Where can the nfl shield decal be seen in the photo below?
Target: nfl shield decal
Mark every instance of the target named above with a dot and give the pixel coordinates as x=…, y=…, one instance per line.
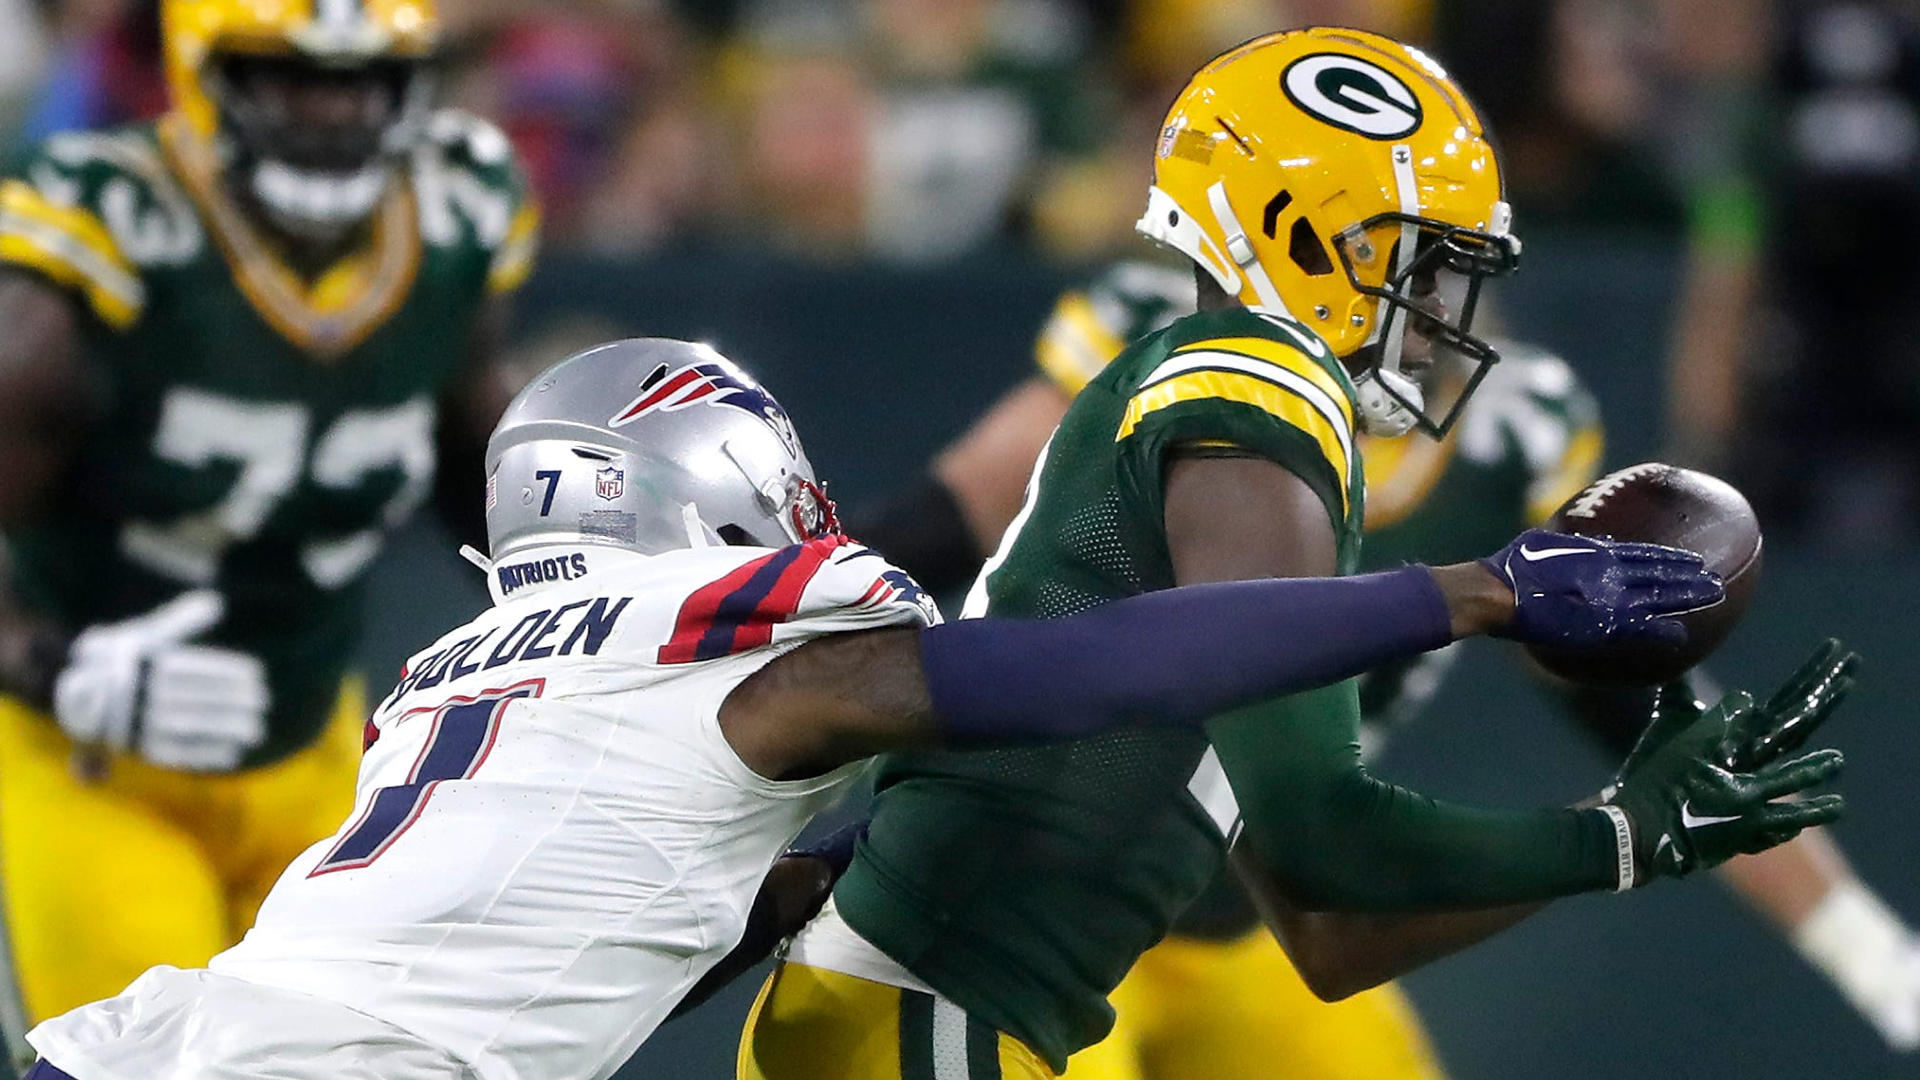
x=610, y=483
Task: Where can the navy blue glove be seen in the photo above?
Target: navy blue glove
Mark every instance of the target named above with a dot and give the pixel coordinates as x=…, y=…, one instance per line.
x=1579, y=592
x=835, y=848
x=795, y=890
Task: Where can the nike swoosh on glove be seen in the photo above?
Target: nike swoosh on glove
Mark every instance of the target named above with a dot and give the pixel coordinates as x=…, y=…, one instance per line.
x=1704, y=785
x=1581, y=592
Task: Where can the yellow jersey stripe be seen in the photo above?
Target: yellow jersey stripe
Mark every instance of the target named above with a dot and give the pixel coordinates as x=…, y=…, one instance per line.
x=1286, y=402
x=1315, y=393
x=1577, y=468
x=513, y=260
x=1291, y=358
x=1075, y=346
x=72, y=247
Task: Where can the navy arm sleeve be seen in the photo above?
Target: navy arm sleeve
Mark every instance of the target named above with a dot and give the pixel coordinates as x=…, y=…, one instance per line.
x=1178, y=656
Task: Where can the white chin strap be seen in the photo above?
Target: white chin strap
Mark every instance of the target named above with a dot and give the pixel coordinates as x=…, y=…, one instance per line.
x=1382, y=414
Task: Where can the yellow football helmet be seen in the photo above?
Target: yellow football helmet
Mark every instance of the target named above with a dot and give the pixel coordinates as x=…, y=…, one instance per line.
x=208, y=41
x=1334, y=175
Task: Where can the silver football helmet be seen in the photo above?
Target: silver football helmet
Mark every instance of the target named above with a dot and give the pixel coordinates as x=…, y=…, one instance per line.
x=651, y=445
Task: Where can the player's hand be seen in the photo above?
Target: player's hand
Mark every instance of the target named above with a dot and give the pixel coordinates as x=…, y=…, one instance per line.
x=793, y=892
x=822, y=862
x=1579, y=592
x=1702, y=786
x=138, y=686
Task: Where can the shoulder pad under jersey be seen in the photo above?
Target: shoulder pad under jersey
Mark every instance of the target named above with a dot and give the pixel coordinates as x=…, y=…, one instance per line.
x=472, y=191
x=92, y=211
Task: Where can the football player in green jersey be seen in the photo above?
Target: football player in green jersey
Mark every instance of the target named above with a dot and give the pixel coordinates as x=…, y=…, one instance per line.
x=233, y=345
x=999, y=898
x=1218, y=998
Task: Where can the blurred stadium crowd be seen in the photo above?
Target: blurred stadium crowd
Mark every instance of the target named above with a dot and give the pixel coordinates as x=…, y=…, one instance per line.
x=1781, y=140
x=924, y=129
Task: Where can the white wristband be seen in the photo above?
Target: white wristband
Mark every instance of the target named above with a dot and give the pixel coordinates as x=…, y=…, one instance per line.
x=1622, y=845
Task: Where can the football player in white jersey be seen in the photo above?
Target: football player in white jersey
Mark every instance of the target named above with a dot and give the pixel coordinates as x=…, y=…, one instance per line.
x=567, y=805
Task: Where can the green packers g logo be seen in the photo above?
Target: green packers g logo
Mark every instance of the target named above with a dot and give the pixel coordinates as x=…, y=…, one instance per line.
x=1352, y=95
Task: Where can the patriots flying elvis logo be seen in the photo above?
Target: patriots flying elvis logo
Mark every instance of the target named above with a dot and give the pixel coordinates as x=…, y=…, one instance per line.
x=716, y=382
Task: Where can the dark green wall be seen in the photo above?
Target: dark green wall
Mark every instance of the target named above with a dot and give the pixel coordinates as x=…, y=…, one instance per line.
x=878, y=366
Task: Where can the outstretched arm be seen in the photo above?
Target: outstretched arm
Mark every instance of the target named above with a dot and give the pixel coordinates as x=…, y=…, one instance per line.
x=987, y=682
x=1324, y=834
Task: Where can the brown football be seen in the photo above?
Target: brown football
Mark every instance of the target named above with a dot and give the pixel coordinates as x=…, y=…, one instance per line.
x=1663, y=504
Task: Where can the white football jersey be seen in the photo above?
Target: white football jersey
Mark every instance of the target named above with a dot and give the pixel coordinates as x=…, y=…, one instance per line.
x=551, y=840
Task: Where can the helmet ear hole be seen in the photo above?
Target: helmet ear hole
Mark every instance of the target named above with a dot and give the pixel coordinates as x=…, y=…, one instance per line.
x=735, y=536
x=1306, y=250
x=1270, y=217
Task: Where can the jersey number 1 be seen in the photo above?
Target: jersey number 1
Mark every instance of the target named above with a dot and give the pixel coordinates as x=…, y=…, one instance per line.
x=463, y=732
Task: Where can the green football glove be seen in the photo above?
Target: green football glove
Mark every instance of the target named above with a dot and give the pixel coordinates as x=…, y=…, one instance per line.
x=1700, y=785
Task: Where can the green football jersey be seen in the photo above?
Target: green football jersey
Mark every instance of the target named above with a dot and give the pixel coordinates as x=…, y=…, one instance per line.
x=258, y=433
x=1023, y=884
x=1528, y=440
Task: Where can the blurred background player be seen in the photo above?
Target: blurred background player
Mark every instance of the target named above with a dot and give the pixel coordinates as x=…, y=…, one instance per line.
x=238, y=346
x=998, y=898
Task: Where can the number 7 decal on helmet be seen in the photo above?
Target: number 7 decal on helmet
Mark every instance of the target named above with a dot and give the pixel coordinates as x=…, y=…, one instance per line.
x=464, y=729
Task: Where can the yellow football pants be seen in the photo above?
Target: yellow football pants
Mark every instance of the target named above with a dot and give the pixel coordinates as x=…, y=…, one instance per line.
x=1236, y=1010
x=148, y=866
x=813, y=1024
